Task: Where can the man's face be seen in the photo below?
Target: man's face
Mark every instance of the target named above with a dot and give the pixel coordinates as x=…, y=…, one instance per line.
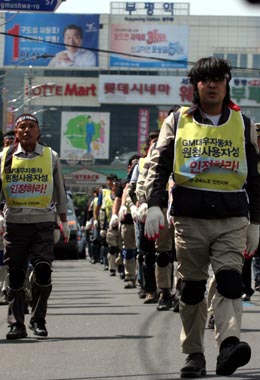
x=212, y=92
x=8, y=141
x=27, y=132
x=72, y=37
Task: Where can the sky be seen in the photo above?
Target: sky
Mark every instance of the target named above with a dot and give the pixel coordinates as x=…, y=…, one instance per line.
x=197, y=7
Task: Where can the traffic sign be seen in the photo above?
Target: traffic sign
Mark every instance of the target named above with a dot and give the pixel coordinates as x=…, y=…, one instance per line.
x=30, y=5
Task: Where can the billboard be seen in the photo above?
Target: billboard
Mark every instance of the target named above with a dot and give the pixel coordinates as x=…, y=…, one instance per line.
x=85, y=135
x=55, y=40
x=149, y=45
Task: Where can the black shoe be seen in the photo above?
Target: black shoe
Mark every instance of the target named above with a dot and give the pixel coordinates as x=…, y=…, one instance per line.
x=16, y=332
x=38, y=328
x=231, y=357
x=112, y=272
x=165, y=302
x=151, y=297
x=195, y=366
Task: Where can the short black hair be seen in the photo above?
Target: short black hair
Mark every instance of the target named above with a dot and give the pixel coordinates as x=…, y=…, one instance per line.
x=9, y=134
x=76, y=27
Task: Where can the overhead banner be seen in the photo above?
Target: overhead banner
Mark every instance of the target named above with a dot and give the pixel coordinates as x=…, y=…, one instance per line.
x=55, y=40
x=168, y=90
x=85, y=135
x=151, y=45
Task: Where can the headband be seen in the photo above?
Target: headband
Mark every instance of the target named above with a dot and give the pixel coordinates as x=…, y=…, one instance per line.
x=25, y=117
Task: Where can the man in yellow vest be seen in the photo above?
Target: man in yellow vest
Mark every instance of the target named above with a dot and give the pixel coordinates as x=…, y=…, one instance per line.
x=33, y=188
x=211, y=148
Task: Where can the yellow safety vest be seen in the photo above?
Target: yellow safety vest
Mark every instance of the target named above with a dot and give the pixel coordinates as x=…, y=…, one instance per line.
x=210, y=157
x=107, y=203
x=29, y=182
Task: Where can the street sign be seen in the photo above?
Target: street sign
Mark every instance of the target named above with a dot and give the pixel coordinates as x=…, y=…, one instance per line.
x=30, y=5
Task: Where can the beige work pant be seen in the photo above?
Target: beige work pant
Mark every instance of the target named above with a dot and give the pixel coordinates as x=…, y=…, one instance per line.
x=129, y=242
x=165, y=243
x=199, y=243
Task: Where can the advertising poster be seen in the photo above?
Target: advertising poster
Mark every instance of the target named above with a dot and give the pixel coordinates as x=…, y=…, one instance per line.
x=85, y=135
x=55, y=40
x=160, y=46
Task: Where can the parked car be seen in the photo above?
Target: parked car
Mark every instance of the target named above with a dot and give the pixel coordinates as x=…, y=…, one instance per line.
x=73, y=249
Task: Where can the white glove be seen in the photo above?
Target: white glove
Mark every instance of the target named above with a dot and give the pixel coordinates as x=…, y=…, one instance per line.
x=133, y=210
x=56, y=235
x=252, y=240
x=95, y=223
x=103, y=233
x=122, y=213
x=142, y=212
x=154, y=221
x=114, y=221
x=2, y=224
x=66, y=231
x=88, y=225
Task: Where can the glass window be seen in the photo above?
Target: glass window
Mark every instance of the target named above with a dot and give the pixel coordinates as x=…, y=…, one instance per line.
x=256, y=61
x=232, y=59
x=243, y=60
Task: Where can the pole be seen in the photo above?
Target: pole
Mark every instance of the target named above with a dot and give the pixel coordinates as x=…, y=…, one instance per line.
x=28, y=92
x=5, y=99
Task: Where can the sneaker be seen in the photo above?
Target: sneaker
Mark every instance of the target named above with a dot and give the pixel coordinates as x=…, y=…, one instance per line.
x=232, y=356
x=38, y=328
x=130, y=284
x=195, y=366
x=165, y=302
x=151, y=298
x=16, y=332
x=211, y=322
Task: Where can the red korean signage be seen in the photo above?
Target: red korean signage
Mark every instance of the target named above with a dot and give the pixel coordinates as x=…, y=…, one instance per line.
x=143, y=129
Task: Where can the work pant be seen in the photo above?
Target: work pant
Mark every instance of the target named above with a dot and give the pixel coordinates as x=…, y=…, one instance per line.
x=199, y=243
x=148, y=252
x=165, y=248
x=114, y=243
x=24, y=243
x=129, y=251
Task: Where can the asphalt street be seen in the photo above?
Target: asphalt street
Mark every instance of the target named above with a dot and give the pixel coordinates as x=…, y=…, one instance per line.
x=99, y=330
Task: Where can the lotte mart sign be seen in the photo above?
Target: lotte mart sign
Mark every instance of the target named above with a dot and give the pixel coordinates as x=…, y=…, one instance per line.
x=30, y=5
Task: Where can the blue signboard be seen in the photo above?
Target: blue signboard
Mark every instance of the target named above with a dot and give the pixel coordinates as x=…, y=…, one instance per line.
x=30, y=5
x=54, y=40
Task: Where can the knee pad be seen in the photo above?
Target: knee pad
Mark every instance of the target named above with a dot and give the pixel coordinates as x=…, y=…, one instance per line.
x=229, y=283
x=42, y=270
x=192, y=292
x=163, y=259
x=149, y=259
x=128, y=254
x=113, y=250
x=16, y=277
